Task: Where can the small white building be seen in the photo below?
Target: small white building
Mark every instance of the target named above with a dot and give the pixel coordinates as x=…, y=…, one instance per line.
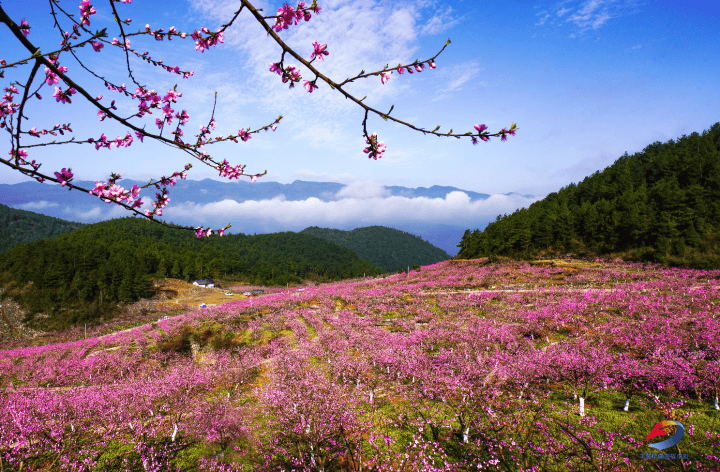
x=207, y=283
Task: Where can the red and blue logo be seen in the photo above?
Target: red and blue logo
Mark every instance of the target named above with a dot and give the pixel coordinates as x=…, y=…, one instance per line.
x=665, y=428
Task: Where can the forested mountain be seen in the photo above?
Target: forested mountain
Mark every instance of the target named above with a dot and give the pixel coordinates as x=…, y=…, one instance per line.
x=20, y=226
x=93, y=268
x=387, y=248
x=661, y=204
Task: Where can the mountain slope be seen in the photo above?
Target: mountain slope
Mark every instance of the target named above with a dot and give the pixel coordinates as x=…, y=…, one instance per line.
x=661, y=204
x=88, y=272
x=388, y=248
x=20, y=226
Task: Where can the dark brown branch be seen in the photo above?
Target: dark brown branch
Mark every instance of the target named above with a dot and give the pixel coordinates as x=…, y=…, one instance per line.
x=35, y=68
x=337, y=86
x=124, y=45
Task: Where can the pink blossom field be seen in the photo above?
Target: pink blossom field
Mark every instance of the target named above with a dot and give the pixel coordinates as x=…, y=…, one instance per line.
x=457, y=366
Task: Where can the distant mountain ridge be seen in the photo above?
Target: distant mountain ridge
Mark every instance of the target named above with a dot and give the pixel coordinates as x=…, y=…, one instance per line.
x=387, y=248
x=57, y=201
x=208, y=191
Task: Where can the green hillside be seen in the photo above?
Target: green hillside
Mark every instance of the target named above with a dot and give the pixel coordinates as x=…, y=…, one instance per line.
x=20, y=226
x=84, y=275
x=661, y=205
x=387, y=248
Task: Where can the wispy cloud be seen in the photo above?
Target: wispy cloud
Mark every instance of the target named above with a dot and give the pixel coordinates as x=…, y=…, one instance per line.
x=441, y=21
x=460, y=74
x=586, y=15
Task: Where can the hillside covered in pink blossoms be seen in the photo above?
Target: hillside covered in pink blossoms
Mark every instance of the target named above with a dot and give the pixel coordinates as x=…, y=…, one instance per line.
x=458, y=366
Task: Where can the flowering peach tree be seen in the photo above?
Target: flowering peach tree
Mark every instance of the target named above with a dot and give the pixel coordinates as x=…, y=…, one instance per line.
x=56, y=71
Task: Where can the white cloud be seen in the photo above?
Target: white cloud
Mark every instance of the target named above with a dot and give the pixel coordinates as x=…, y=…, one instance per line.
x=100, y=212
x=92, y=214
x=363, y=190
x=441, y=21
x=33, y=206
x=358, y=209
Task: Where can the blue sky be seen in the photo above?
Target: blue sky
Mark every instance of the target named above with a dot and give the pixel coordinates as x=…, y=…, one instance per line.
x=585, y=81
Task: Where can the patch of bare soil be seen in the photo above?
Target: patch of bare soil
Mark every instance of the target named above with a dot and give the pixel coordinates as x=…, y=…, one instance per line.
x=170, y=292
x=11, y=325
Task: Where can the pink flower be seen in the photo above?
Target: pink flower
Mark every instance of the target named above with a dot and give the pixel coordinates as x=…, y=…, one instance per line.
x=242, y=134
x=319, y=52
x=221, y=232
x=432, y=64
x=24, y=27
x=480, y=128
x=64, y=176
x=310, y=86
x=97, y=46
x=385, y=77
x=63, y=97
x=401, y=70
x=50, y=78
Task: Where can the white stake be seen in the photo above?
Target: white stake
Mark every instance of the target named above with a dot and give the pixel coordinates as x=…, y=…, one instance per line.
x=582, y=406
x=627, y=404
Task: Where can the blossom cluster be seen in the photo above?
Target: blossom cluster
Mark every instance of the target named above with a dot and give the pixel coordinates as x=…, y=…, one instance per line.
x=289, y=73
x=111, y=192
x=287, y=15
x=375, y=149
x=119, y=142
x=7, y=107
x=203, y=43
x=85, y=11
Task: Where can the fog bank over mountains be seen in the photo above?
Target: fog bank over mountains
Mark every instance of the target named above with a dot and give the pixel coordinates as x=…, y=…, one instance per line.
x=440, y=215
